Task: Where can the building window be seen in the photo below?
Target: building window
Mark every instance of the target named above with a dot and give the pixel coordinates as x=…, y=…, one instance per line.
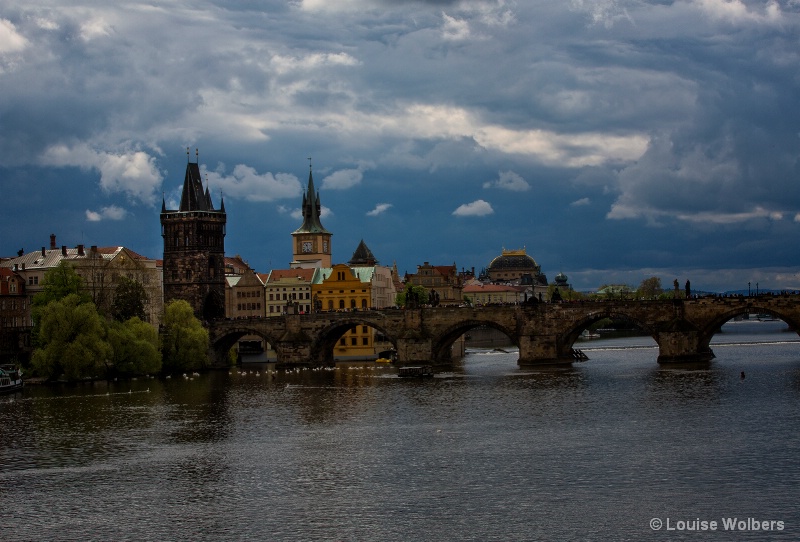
x=365, y=341
x=341, y=303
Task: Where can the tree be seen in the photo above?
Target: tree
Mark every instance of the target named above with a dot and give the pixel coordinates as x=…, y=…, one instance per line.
x=413, y=296
x=72, y=340
x=567, y=294
x=135, y=346
x=649, y=288
x=130, y=299
x=184, y=340
x=58, y=283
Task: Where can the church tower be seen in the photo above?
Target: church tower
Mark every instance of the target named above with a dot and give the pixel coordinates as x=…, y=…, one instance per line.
x=194, y=249
x=311, y=242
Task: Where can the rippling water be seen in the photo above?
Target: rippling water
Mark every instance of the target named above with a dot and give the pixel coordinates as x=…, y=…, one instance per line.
x=487, y=451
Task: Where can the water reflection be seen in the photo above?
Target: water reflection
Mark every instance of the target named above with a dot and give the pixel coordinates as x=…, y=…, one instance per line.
x=482, y=451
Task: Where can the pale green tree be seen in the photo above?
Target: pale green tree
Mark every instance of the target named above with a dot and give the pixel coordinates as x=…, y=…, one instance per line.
x=135, y=346
x=184, y=340
x=72, y=340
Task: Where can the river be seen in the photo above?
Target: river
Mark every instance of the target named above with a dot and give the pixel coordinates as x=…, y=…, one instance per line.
x=615, y=448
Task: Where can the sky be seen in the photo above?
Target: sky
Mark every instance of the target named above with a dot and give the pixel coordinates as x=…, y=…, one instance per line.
x=613, y=140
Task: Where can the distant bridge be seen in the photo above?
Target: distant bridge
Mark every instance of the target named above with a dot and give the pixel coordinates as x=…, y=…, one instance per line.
x=544, y=332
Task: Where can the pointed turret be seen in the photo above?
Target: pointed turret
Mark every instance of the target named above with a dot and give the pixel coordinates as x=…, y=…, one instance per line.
x=192, y=197
x=311, y=210
x=363, y=256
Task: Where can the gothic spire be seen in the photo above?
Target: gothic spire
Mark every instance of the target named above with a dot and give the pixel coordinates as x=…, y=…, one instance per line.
x=311, y=210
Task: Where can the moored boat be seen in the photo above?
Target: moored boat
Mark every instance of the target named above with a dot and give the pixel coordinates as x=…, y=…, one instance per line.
x=10, y=379
x=415, y=371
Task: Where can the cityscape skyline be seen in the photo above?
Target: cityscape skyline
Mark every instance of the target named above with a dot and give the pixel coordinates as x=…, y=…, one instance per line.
x=614, y=141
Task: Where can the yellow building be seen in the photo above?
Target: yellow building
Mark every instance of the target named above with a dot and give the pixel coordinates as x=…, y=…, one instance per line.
x=341, y=288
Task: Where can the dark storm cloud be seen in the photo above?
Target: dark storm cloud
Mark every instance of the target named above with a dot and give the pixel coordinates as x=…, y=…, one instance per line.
x=641, y=122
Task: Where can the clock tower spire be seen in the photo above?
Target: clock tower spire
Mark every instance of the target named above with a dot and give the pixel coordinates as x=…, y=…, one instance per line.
x=311, y=242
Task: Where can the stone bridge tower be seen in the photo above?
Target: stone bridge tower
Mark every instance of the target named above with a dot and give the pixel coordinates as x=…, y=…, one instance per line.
x=194, y=249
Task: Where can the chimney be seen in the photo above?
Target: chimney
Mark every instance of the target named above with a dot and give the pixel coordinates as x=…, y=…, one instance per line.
x=16, y=267
x=63, y=250
x=80, y=251
x=43, y=252
x=52, y=241
x=94, y=249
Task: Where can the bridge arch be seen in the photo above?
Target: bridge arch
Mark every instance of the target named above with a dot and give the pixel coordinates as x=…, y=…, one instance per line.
x=713, y=326
x=441, y=346
x=326, y=339
x=575, y=330
x=225, y=338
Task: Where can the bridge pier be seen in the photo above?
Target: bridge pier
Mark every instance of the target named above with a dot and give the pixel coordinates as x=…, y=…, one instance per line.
x=682, y=347
x=414, y=350
x=541, y=350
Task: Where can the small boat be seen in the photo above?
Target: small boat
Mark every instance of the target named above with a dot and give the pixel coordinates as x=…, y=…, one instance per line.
x=10, y=379
x=415, y=371
x=383, y=360
x=586, y=334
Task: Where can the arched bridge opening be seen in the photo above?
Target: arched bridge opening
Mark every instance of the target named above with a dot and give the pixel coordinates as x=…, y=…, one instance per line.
x=728, y=322
x=451, y=343
x=603, y=325
x=247, y=344
x=352, y=340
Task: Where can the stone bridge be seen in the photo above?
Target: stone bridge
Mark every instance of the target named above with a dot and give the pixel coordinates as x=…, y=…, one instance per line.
x=544, y=332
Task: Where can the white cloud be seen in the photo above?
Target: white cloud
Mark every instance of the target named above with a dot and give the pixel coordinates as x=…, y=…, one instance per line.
x=476, y=208
x=133, y=173
x=379, y=208
x=246, y=183
x=509, y=180
x=95, y=28
x=343, y=179
x=737, y=11
x=111, y=212
x=454, y=29
x=11, y=41
x=580, y=202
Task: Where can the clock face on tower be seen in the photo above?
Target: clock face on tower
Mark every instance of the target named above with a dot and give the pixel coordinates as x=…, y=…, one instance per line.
x=307, y=246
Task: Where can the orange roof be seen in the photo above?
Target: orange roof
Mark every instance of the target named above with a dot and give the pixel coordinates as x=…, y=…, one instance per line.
x=303, y=273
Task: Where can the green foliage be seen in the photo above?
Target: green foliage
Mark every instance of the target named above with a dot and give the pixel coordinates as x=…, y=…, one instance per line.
x=567, y=294
x=649, y=288
x=184, y=341
x=58, y=283
x=72, y=340
x=130, y=298
x=413, y=295
x=135, y=345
